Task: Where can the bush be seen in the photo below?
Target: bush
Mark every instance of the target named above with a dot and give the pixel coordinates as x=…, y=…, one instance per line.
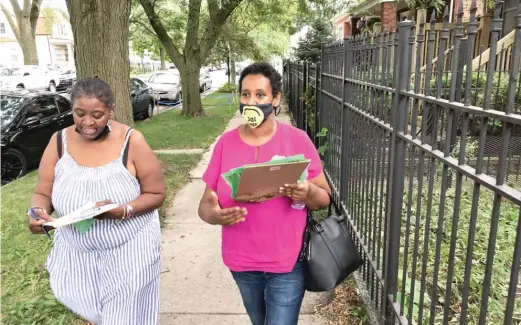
x=228, y=88
x=498, y=100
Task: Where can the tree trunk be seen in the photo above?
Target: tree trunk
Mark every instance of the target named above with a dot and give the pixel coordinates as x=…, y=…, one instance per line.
x=23, y=25
x=100, y=30
x=162, y=57
x=228, y=69
x=192, y=104
x=28, y=44
x=233, y=71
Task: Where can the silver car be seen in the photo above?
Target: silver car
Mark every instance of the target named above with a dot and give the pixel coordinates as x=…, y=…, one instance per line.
x=166, y=86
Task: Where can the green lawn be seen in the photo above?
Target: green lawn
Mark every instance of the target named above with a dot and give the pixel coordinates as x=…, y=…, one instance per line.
x=171, y=130
x=26, y=297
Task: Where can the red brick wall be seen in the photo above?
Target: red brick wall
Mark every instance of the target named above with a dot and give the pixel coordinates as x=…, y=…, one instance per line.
x=466, y=9
x=389, y=15
x=348, y=31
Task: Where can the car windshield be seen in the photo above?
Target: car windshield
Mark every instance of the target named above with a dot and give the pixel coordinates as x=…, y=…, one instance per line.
x=10, y=106
x=166, y=78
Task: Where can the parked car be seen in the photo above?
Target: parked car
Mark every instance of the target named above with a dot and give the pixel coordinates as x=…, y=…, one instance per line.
x=143, y=101
x=28, y=121
x=166, y=85
x=30, y=77
x=205, y=80
x=67, y=80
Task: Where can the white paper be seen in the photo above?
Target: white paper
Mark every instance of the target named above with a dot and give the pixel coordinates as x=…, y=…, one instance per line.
x=88, y=211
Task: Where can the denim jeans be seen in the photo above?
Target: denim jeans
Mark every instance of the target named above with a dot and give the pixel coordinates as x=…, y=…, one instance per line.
x=272, y=298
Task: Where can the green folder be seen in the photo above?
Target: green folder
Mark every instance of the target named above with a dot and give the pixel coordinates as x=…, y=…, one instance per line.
x=233, y=176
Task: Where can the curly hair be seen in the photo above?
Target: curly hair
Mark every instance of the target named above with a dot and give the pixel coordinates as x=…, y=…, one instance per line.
x=267, y=71
x=93, y=87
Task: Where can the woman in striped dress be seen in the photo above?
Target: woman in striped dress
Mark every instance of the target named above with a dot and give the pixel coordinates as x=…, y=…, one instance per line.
x=108, y=275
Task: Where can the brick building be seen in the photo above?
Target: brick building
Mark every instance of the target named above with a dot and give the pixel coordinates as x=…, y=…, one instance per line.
x=389, y=12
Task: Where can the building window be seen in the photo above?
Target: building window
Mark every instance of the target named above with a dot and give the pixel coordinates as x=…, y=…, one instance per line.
x=60, y=54
x=61, y=30
x=2, y=28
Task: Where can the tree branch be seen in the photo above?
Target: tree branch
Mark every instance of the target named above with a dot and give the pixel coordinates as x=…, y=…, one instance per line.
x=34, y=14
x=16, y=7
x=192, y=28
x=27, y=8
x=213, y=7
x=162, y=35
x=11, y=22
x=142, y=24
x=214, y=27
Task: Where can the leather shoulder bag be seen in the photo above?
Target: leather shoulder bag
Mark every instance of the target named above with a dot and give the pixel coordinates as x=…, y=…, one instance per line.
x=328, y=251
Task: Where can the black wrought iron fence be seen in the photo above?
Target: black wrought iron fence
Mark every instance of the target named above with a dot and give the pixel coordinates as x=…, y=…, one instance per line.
x=428, y=177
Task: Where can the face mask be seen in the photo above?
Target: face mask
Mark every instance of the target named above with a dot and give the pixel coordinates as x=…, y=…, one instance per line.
x=255, y=115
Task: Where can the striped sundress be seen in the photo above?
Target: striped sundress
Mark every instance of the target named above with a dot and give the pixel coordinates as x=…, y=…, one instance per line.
x=109, y=275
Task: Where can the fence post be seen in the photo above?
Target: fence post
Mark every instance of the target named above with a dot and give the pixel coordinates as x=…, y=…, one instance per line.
x=317, y=96
x=344, y=130
x=303, y=104
x=319, y=105
x=402, y=75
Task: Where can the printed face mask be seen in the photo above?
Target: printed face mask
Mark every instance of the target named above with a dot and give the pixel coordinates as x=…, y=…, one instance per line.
x=255, y=115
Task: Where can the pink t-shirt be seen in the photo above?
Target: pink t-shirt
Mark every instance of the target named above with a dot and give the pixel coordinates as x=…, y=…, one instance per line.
x=271, y=237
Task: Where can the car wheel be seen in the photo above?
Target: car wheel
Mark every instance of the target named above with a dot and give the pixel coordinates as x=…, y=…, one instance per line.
x=20, y=86
x=14, y=165
x=150, y=110
x=52, y=87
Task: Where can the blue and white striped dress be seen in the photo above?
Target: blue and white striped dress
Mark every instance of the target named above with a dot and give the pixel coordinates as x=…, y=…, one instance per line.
x=109, y=275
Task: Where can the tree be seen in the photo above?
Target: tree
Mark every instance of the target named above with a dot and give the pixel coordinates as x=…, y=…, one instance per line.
x=308, y=49
x=100, y=30
x=255, y=30
x=196, y=48
x=23, y=25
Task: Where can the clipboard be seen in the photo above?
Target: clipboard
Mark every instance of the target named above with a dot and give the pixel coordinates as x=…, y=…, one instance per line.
x=262, y=182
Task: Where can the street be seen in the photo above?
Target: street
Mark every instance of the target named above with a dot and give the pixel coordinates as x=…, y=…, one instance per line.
x=219, y=78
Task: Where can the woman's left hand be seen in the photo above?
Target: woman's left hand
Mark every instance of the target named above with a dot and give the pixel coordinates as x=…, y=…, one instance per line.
x=116, y=213
x=297, y=192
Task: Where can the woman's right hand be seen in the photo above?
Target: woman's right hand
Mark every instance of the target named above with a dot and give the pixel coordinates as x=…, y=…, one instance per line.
x=35, y=226
x=228, y=216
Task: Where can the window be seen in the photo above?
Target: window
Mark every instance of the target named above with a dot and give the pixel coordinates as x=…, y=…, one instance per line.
x=141, y=83
x=61, y=30
x=42, y=107
x=135, y=85
x=2, y=28
x=61, y=54
x=164, y=78
x=63, y=104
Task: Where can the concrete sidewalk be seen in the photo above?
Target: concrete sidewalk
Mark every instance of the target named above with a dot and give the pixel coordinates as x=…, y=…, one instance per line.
x=196, y=287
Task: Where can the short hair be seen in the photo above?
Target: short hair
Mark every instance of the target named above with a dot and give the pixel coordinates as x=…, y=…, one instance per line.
x=267, y=71
x=93, y=87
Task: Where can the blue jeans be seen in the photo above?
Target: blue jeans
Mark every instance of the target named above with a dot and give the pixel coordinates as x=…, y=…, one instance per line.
x=272, y=298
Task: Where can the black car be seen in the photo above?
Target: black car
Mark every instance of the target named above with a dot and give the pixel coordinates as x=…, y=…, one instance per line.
x=67, y=79
x=142, y=97
x=28, y=121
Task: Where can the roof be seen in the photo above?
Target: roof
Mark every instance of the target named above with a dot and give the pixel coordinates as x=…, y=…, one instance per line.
x=43, y=27
x=339, y=16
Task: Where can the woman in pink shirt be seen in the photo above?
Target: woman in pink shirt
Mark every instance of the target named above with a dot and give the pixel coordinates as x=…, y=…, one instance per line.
x=261, y=241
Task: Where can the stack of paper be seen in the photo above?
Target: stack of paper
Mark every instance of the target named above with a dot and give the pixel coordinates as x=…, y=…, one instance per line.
x=83, y=218
x=233, y=176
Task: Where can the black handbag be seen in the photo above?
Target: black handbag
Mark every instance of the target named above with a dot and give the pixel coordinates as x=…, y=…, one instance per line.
x=328, y=251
